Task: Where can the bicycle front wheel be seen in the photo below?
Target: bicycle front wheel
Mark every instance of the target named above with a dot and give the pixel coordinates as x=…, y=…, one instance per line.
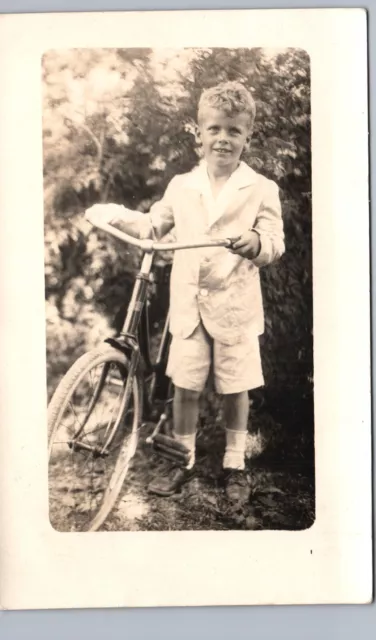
x=93, y=429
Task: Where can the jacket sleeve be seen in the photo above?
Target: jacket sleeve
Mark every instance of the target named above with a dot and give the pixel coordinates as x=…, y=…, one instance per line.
x=269, y=226
x=155, y=224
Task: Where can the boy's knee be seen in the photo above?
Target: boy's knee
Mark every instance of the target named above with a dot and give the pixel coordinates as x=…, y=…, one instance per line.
x=186, y=395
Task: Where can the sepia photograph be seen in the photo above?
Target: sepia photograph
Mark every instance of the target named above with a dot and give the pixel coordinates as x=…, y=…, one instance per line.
x=178, y=289
x=186, y=398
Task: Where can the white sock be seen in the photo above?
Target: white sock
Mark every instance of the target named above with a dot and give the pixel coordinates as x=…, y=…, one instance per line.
x=189, y=441
x=235, y=449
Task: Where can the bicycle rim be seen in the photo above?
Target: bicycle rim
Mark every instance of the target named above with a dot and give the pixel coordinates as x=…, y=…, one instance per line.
x=86, y=410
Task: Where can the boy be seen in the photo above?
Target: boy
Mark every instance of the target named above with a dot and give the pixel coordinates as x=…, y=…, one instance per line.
x=216, y=306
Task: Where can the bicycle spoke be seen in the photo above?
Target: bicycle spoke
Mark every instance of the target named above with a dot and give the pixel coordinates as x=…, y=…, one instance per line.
x=70, y=404
x=111, y=417
x=91, y=418
x=88, y=460
x=94, y=408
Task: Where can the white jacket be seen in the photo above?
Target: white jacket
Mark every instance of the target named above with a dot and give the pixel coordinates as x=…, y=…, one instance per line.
x=212, y=283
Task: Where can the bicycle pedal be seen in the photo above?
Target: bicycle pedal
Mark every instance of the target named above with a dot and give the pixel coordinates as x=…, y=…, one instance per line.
x=171, y=454
x=171, y=443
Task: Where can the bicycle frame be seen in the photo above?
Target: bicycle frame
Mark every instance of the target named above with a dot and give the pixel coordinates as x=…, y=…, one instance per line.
x=128, y=339
x=136, y=320
x=134, y=336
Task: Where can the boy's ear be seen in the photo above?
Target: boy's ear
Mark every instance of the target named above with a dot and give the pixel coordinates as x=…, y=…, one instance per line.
x=192, y=127
x=197, y=134
x=248, y=141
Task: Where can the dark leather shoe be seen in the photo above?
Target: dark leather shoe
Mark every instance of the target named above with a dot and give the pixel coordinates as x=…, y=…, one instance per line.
x=170, y=482
x=237, y=488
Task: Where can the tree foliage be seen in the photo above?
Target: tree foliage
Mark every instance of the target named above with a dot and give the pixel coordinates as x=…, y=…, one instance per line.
x=118, y=125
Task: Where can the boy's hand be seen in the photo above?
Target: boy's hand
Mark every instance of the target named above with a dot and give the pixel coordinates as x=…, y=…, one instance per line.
x=248, y=245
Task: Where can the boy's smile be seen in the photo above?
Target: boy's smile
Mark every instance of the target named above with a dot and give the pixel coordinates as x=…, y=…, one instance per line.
x=223, y=137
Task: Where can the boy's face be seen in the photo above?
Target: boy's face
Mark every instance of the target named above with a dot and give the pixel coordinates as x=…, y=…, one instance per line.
x=223, y=137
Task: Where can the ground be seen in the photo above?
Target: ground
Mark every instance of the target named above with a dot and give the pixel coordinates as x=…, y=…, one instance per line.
x=280, y=468
x=280, y=473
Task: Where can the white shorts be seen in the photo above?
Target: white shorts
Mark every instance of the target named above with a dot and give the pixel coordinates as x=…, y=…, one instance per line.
x=236, y=367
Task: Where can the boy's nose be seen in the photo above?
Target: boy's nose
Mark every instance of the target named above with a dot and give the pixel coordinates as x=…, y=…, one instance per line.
x=222, y=136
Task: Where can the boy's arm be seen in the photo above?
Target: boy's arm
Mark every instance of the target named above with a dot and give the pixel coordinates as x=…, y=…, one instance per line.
x=134, y=223
x=265, y=242
x=155, y=224
x=269, y=227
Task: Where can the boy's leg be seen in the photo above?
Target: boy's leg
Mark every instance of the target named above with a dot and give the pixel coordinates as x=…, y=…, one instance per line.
x=237, y=369
x=188, y=367
x=185, y=410
x=236, y=411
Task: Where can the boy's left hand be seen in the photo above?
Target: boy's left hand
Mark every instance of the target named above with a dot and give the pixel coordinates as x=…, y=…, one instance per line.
x=248, y=245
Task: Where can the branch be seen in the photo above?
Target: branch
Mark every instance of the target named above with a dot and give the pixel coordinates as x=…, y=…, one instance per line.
x=89, y=131
x=105, y=190
x=93, y=137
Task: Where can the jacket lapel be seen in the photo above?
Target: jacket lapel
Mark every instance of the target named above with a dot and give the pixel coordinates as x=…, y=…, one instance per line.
x=228, y=198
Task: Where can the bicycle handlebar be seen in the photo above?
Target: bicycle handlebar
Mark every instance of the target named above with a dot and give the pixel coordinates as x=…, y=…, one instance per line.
x=150, y=245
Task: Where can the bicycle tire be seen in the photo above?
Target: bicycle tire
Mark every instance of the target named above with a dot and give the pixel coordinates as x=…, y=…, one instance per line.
x=72, y=515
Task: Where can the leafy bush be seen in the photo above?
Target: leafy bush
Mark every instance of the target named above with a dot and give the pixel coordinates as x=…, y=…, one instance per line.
x=117, y=127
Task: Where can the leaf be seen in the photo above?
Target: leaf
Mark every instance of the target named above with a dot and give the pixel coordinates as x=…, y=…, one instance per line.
x=252, y=523
x=272, y=489
x=211, y=499
x=266, y=500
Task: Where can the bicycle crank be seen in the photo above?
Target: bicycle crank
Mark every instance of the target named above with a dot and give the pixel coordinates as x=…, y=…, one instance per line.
x=76, y=445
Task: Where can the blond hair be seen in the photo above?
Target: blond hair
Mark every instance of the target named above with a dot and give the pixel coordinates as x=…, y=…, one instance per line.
x=231, y=97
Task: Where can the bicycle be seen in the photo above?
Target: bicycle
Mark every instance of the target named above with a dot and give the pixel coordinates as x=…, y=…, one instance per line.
x=96, y=415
